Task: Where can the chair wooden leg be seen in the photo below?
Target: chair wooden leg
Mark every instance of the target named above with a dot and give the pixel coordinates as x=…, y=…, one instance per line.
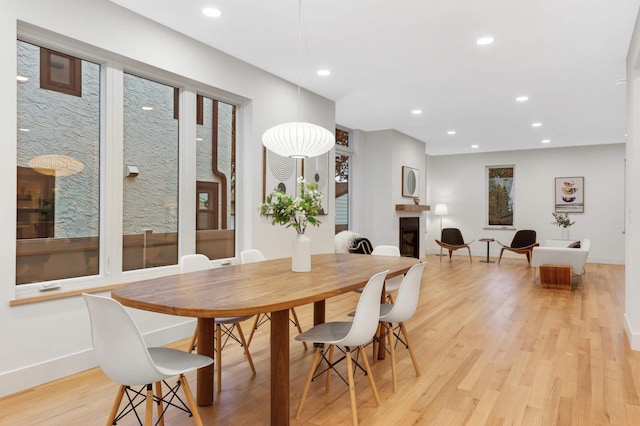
x=408, y=341
x=148, y=415
x=246, y=349
x=367, y=368
x=450, y=253
x=392, y=349
x=307, y=383
x=218, y=357
x=500, y=258
x=253, y=330
x=327, y=384
x=159, y=405
x=391, y=298
x=297, y=323
x=116, y=405
x=470, y=258
x=352, y=387
x=190, y=400
x=194, y=341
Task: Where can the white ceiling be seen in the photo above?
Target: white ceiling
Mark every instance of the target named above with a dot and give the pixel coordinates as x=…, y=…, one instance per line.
x=390, y=57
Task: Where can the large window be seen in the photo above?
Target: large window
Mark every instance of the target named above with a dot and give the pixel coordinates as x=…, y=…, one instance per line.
x=342, y=180
x=150, y=194
x=215, y=186
x=58, y=173
x=100, y=172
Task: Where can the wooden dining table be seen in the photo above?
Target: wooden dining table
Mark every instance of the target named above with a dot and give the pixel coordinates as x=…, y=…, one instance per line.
x=255, y=288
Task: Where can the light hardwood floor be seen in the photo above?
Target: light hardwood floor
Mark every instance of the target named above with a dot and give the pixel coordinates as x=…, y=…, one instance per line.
x=494, y=349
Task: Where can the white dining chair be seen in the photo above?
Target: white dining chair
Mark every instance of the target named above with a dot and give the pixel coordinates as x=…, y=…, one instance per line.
x=347, y=336
x=124, y=357
x=252, y=256
x=399, y=312
x=226, y=326
x=391, y=285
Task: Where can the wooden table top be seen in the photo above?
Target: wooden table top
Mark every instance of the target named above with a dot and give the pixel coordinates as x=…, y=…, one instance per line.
x=259, y=287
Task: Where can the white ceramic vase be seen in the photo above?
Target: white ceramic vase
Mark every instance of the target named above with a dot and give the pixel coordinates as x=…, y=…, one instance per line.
x=564, y=234
x=301, y=254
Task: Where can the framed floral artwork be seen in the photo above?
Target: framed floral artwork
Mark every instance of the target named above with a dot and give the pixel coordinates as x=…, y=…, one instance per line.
x=569, y=195
x=316, y=169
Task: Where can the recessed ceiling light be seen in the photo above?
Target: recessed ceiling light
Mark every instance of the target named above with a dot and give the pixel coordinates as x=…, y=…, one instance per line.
x=475, y=146
x=22, y=79
x=451, y=132
x=536, y=124
x=324, y=73
x=482, y=41
x=211, y=12
x=522, y=98
x=416, y=111
x=198, y=139
x=22, y=129
x=546, y=140
x=147, y=108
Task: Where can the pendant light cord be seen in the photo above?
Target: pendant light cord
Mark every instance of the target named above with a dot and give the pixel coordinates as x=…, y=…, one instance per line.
x=299, y=53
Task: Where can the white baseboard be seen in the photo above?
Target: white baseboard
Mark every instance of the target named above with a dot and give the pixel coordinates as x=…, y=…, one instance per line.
x=632, y=337
x=34, y=375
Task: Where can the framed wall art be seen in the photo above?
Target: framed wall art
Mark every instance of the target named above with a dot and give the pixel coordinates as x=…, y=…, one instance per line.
x=410, y=180
x=316, y=169
x=278, y=172
x=500, y=195
x=569, y=194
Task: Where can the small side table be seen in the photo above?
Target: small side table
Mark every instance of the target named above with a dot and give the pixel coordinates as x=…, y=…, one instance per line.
x=488, y=241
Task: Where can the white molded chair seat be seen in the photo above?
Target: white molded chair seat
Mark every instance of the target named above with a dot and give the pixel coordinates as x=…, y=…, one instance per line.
x=124, y=357
x=252, y=256
x=347, y=335
x=225, y=325
x=399, y=312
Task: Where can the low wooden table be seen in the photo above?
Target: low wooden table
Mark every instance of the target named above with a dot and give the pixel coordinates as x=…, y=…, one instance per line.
x=555, y=276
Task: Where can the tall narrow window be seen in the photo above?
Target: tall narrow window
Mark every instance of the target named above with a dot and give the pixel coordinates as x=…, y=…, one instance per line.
x=342, y=180
x=58, y=174
x=215, y=187
x=150, y=194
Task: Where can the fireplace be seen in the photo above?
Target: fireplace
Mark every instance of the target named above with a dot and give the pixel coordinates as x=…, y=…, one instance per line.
x=410, y=237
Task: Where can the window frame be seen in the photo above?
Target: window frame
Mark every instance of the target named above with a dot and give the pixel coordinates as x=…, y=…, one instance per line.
x=113, y=67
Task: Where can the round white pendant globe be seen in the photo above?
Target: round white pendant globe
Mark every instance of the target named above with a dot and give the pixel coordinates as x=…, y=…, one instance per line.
x=298, y=140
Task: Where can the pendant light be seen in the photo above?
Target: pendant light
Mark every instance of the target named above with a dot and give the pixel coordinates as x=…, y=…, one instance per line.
x=298, y=139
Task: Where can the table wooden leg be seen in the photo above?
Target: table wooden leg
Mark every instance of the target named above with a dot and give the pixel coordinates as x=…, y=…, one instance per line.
x=204, y=386
x=280, y=368
x=318, y=312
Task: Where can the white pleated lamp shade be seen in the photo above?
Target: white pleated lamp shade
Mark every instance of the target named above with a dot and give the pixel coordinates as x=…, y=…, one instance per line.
x=298, y=140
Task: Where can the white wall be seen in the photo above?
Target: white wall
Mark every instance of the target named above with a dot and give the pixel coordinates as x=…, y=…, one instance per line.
x=459, y=181
x=632, y=272
x=47, y=340
x=379, y=158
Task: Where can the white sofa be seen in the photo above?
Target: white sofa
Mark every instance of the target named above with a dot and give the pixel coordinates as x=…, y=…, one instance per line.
x=557, y=252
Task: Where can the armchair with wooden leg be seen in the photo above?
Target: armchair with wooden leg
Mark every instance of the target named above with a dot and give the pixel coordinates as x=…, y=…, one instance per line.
x=451, y=240
x=223, y=326
x=523, y=243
